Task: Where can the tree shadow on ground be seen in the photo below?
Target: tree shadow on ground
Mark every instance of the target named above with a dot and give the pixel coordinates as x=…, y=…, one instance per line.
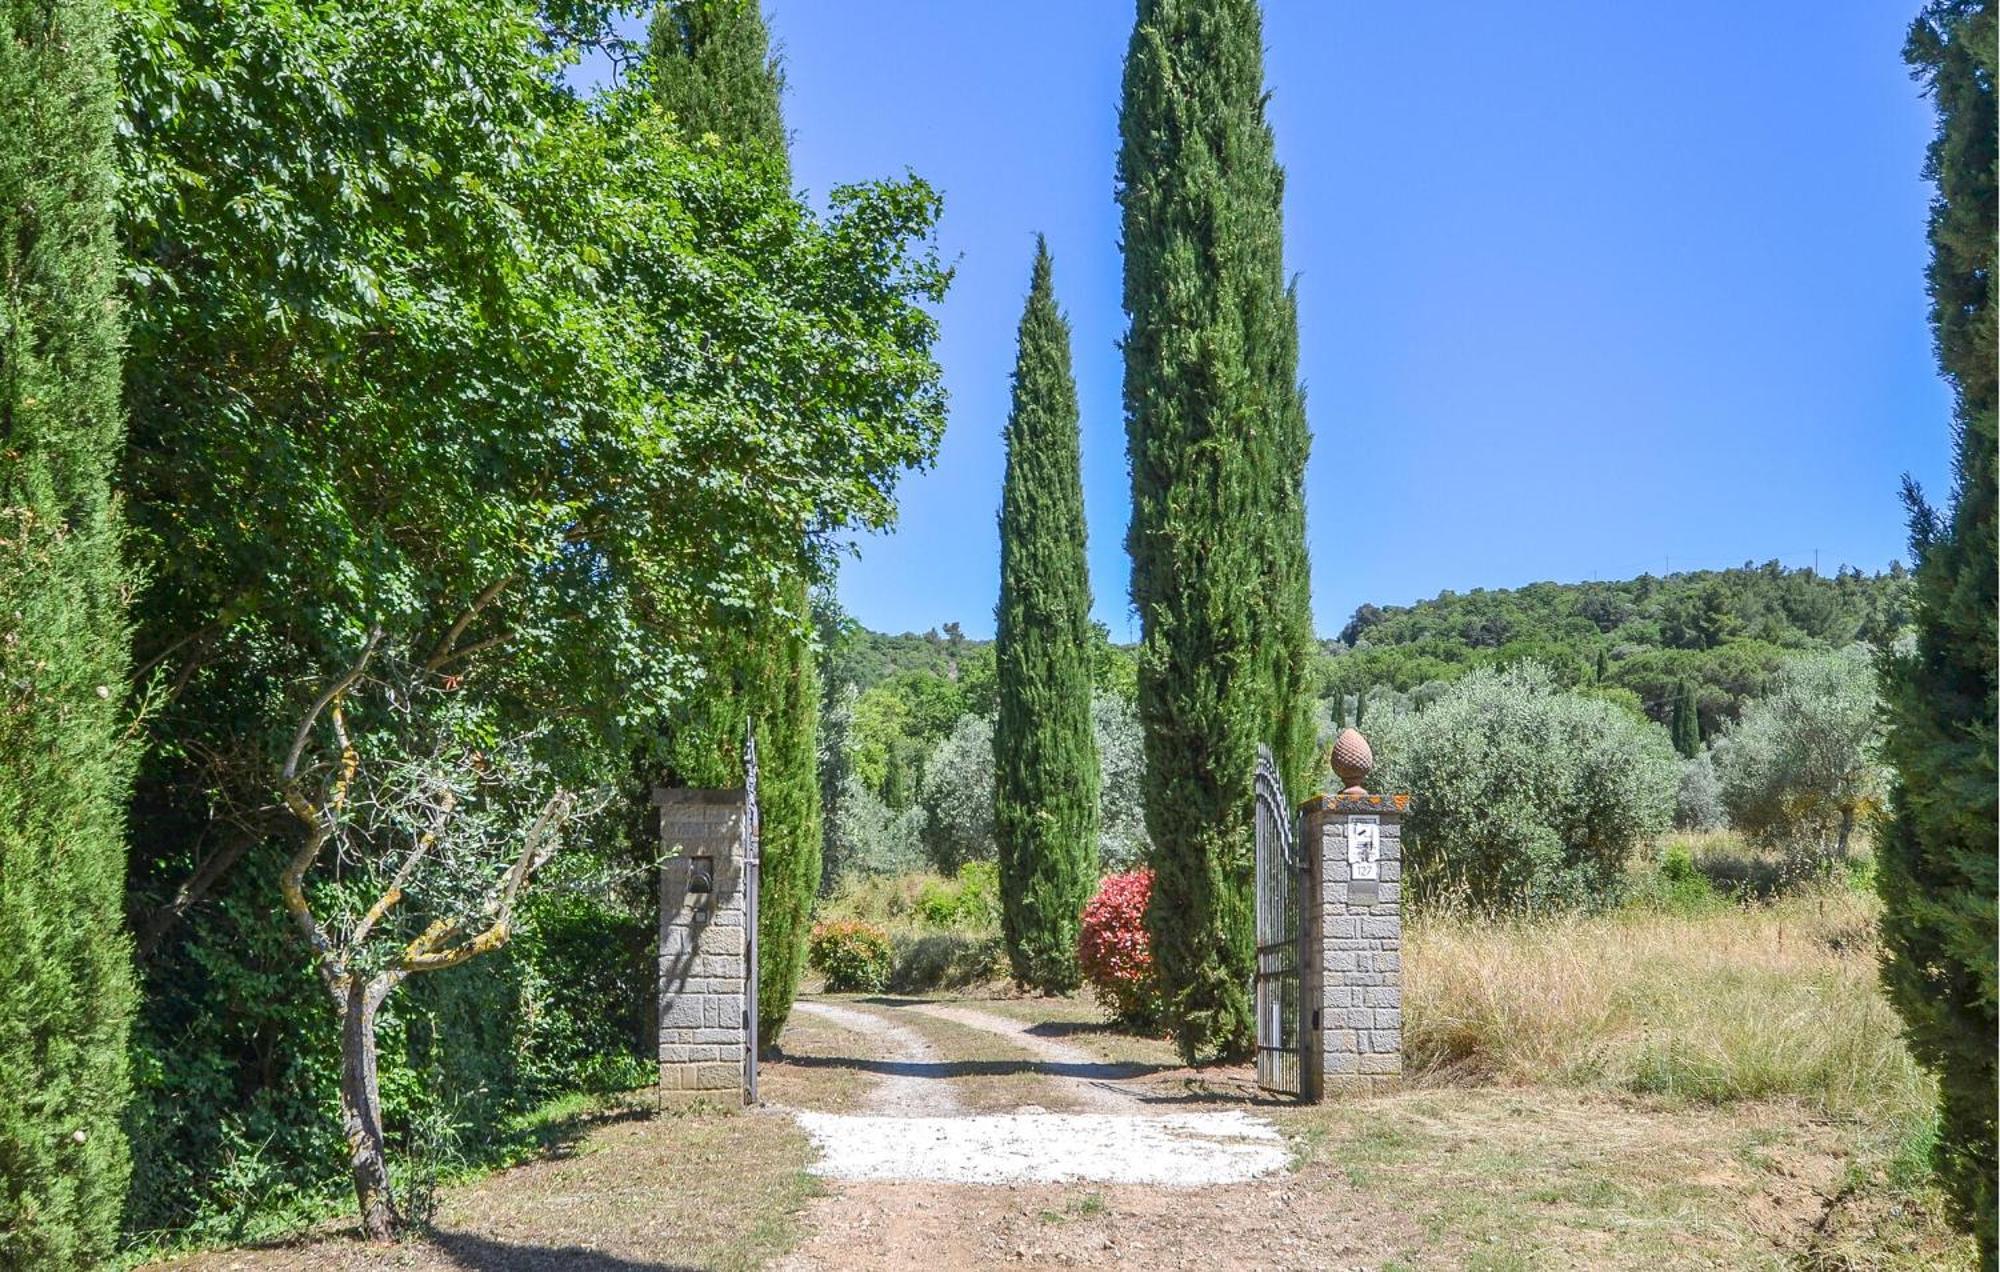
x=483, y=1254
x=1079, y=1029
x=1087, y=1071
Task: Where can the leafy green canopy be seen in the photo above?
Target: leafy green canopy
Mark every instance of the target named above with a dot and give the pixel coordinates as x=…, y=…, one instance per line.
x=1216, y=442
x=1044, y=747
x=420, y=340
x=65, y=765
x=1937, y=873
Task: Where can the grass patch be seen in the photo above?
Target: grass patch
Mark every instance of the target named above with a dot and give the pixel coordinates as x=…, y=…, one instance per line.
x=694, y=1186
x=1746, y=1002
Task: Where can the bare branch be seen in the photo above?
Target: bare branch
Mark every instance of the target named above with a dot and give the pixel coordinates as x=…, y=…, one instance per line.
x=394, y=892
x=290, y=772
x=447, y=650
x=423, y=954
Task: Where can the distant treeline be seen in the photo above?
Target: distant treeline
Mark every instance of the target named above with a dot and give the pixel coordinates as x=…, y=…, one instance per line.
x=1725, y=631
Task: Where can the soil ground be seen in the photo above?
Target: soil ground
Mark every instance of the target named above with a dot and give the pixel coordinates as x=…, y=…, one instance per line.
x=1421, y=1177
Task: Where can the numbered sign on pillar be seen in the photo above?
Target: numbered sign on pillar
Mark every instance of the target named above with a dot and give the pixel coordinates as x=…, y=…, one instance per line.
x=1364, y=847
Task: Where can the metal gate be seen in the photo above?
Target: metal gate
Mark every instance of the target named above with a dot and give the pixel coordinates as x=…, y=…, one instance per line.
x=752, y=869
x=1281, y=937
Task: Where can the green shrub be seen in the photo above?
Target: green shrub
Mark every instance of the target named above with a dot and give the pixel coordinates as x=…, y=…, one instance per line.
x=946, y=960
x=1678, y=885
x=853, y=956
x=972, y=900
x=1523, y=795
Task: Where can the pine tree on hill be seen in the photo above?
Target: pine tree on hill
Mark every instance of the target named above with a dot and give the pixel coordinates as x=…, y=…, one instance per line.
x=1936, y=863
x=1044, y=747
x=1216, y=441
x=66, y=995
x=711, y=66
x=1687, y=721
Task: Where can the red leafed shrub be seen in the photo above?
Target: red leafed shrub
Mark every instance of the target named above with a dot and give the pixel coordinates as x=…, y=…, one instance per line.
x=1114, y=951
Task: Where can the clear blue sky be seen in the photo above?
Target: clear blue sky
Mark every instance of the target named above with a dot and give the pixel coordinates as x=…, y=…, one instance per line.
x=1583, y=287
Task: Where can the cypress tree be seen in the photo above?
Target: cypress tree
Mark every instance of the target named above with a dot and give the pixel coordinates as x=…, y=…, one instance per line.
x=711, y=66
x=1686, y=731
x=1044, y=751
x=788, y=810
x=1216, y=441
x=1936, y=862
x=65, y=963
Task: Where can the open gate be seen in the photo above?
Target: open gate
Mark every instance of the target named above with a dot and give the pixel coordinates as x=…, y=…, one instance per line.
x=1282, y=889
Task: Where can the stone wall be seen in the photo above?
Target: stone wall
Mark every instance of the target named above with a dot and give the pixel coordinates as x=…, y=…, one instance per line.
x=703, y=942
x=1359, y=933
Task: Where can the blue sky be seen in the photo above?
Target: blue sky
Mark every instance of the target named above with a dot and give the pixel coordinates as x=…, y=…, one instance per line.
x=1585, y=289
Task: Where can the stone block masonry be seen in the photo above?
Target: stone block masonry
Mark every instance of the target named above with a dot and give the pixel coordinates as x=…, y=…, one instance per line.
x=704, y=941
x=1357, y=842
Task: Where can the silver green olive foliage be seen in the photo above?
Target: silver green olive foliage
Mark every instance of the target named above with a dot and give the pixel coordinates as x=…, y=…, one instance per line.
x=1799, y=769
x=1121, y=787
x=1523, y=796
x=863, y=835
x=1698, y=805
x=956, y=796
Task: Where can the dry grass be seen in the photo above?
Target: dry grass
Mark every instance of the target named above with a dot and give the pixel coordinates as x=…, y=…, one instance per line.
x=1745, y=1002
x=1737, y=1006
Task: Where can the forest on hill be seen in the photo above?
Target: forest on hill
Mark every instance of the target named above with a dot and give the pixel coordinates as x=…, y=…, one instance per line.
x=1724, y=630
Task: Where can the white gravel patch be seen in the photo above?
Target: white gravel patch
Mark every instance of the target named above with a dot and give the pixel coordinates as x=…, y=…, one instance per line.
x=1185, y=1149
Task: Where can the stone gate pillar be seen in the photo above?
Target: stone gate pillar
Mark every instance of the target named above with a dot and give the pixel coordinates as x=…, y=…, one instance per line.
x=704, y=941
x=1356, y=842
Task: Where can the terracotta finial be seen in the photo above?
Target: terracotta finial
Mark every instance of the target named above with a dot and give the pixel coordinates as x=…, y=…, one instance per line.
x=1352, y=760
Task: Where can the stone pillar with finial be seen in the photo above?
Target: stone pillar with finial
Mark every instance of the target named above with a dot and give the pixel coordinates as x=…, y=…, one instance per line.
x=1357, y=925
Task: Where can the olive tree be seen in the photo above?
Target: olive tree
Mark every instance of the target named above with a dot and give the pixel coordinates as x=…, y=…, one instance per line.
x=956, y=796
x=1121, y=782
x=1523, y=795
x=1799, y=768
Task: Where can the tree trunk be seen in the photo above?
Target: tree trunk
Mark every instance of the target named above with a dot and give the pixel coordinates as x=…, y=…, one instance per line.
x=361, y=1107
x=1846, y=829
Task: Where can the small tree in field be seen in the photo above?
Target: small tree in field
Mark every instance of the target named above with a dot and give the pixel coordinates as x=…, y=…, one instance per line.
x=430, y=840
x=1799, y=768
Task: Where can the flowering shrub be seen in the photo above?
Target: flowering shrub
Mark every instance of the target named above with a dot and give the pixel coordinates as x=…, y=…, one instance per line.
x=1114, y=951
x=852, y=955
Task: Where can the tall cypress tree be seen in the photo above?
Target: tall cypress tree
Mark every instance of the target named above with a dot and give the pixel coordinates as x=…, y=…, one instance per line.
x=1216, y=441
x=1936, y=863
x=1044, y=751
x=65, y=963
x=711, y=66
x=1686, y=731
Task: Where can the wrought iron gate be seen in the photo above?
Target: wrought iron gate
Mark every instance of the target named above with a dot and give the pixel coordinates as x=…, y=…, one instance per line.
x=1282, y=1039
x=752, y=869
